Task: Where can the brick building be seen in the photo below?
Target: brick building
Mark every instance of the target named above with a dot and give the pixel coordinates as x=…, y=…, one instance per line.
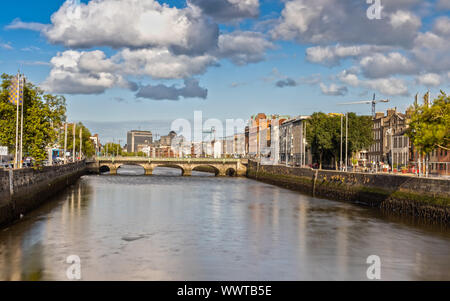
x=385, y=128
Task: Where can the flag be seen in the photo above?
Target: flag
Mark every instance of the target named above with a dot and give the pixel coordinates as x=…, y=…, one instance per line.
x=21, y=88
x=426, y=99
x=16, y=90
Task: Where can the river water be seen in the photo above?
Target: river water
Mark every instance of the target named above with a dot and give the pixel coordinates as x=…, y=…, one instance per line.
x=166, y=227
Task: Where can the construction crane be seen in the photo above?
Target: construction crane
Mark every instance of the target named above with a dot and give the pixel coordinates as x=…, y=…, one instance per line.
x=212, y=132
x=372, y=102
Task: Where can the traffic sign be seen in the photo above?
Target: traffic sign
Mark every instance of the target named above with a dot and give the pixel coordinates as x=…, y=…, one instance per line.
x=3, y=151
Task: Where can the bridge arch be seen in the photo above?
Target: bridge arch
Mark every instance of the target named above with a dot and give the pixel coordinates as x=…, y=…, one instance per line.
x=219, y=167
x=104, y=169
x=231, y=172
x=174, y=166
x=123, y=170
x=206, y=168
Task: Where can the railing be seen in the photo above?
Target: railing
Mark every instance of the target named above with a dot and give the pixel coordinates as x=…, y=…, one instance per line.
x=144, y=159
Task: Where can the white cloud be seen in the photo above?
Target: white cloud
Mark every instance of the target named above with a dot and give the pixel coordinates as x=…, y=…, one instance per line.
x=429, y=80
x=404, y=18
x=76, y=72
x=333, y=90
x=332, y=55
x=349, y=78
x=243, y=47
x=346, y=22
x=162, y=64
x=92, y=72
x=432, y=52
x=311, y=80
x=19, y=24
x=35, y=63
x=381, y=49
x=442, y=26
x=153, y=39
x=6, y=46
x=228, y=10
x=388, y=86
x=380, y=65
x=133, y=24
x=30, y=49
x=443, y=4
x=93, y=61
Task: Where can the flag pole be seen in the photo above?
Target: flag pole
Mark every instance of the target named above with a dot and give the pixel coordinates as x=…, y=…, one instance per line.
x=81, y=141
x=17, y=126
x=74, y=141
x=21, y=97
x=65, y=142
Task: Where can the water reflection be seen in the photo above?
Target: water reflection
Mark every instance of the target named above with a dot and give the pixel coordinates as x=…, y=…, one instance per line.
x=135, y=170
x=204, y=228
x=131, y=170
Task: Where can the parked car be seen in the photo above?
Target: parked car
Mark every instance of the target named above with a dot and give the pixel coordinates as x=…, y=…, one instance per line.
x=6, y=165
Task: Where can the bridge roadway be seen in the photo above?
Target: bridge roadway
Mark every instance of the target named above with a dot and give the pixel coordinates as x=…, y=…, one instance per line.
x=222, y=167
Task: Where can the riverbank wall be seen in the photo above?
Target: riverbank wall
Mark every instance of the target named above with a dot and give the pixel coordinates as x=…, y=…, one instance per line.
x=424, y=198
x=22, y=190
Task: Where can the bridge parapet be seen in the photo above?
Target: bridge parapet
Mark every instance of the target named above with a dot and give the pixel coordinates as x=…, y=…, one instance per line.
x=223, y=167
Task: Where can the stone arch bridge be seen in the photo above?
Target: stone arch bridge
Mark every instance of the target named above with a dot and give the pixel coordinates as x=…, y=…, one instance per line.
x=222, y=167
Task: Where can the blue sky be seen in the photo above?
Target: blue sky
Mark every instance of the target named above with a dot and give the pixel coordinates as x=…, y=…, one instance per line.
x=290, y=57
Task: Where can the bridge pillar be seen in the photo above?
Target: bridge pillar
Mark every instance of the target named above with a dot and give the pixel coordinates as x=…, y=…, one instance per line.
x=149, y=171
x=241, y=172
x=187, y=172
x=112, y=170
x=241, y=169
x=222, y=172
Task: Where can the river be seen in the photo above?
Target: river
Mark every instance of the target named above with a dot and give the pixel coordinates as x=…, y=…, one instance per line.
x=167, y=227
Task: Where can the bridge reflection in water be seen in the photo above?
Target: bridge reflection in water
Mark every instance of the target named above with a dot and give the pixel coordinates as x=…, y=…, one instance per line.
x=135, y=170
x=220, y=167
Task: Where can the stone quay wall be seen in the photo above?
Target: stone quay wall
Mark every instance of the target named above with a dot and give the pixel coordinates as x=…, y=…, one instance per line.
x=425, y=198
x=22, y=190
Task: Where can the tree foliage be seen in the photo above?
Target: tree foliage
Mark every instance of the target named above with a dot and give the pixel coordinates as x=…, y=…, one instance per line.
x=43, y=115
x=43, y=125
x=320, y=133
x=112, y=149
x=88, y=147
x=429, y=128
x=324, y=136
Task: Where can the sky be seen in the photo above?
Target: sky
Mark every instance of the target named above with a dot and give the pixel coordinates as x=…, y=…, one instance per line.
x=140, y=64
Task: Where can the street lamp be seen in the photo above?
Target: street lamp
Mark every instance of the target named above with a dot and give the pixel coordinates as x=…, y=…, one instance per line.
x=390, y=133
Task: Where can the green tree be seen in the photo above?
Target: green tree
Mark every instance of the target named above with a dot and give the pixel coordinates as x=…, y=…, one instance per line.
x=360, y=133
x=88, y=148
x=43, y=115
x=429, y=128
x=320, y=135
x=324, y=136
x=112, y=149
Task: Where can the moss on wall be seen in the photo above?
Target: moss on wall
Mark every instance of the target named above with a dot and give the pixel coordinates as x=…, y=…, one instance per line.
x=430, y=199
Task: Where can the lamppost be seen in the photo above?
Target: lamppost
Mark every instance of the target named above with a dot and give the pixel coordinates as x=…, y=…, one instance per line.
x=391, y=147
x=346, y=142
x=342, y=141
